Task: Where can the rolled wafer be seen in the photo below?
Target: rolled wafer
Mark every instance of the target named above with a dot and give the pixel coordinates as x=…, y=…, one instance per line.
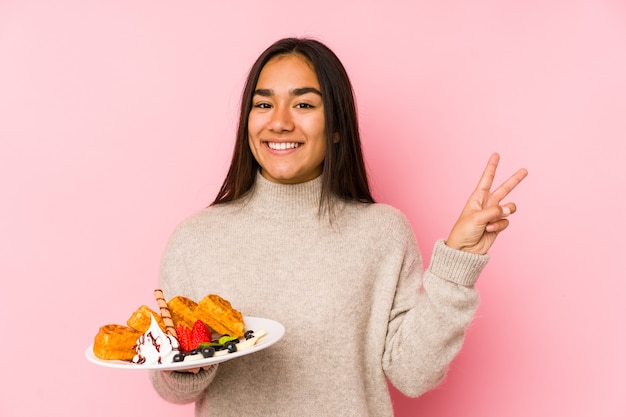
x=165, y=312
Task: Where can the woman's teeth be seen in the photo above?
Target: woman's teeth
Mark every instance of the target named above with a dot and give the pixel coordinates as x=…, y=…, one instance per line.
x=282, y=146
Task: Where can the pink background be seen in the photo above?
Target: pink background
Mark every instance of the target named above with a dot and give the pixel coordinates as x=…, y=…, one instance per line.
x=117, y=120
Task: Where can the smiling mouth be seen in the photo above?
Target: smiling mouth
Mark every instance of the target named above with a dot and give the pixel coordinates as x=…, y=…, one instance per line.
x=283, y=145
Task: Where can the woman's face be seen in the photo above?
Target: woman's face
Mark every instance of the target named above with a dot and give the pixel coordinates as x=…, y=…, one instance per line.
x=286, y=128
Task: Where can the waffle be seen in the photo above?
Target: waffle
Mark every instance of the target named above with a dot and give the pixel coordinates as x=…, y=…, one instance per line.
x=219, y=315
x=140, y=320
x=183, y=311
x=114, y=341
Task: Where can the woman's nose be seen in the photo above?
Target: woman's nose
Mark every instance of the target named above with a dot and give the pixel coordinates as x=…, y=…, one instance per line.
x=281, y=119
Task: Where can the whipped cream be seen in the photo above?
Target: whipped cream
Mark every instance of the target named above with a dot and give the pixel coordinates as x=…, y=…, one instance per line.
x=155, y=346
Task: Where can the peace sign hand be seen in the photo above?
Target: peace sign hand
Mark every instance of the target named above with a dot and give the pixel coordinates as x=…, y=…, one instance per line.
x=483, y=218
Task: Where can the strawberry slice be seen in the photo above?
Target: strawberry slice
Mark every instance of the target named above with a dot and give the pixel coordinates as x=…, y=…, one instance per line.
x=200, y=334
x=183, y=333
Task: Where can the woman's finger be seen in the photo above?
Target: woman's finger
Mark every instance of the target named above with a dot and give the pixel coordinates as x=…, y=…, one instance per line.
x=508, y=185
x=486, y=180
x=497, y=226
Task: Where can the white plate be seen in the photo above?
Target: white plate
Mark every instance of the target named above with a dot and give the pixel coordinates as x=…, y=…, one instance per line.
x=274, y=329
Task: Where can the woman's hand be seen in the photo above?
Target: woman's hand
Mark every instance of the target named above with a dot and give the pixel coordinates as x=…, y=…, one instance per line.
x=191, y=370
x=483, y=216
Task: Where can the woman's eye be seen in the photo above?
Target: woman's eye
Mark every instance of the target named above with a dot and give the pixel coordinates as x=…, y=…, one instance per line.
x=304, y=106
x=261, y=105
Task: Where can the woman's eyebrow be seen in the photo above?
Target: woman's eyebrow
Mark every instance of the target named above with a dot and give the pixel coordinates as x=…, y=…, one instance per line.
x=305, y=90
x=267, y=92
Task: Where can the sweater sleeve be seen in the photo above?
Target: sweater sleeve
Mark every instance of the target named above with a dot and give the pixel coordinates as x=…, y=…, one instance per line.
x=180, y=387
x=429, y=316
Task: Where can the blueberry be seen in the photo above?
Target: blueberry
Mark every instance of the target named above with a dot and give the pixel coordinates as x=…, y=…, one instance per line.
x=231, y=346
x=207, y=352
x=249, y=334
x=179, y=357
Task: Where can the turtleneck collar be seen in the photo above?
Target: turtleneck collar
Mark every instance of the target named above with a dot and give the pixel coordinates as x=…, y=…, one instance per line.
x=285, y=199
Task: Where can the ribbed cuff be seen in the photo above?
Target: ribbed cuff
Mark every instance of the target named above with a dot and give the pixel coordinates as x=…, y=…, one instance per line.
x=186, y=381
x=457, y=266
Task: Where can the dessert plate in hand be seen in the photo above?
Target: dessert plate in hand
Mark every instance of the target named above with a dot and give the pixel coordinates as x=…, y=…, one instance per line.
x=274, y=332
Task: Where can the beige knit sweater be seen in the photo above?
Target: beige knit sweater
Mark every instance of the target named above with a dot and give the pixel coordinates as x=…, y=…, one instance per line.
x=357, y=307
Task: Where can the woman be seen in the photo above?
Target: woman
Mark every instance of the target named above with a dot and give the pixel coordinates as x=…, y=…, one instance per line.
x=294, y=235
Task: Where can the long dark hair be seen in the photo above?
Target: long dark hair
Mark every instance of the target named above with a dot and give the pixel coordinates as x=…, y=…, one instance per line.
x=344, y=173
